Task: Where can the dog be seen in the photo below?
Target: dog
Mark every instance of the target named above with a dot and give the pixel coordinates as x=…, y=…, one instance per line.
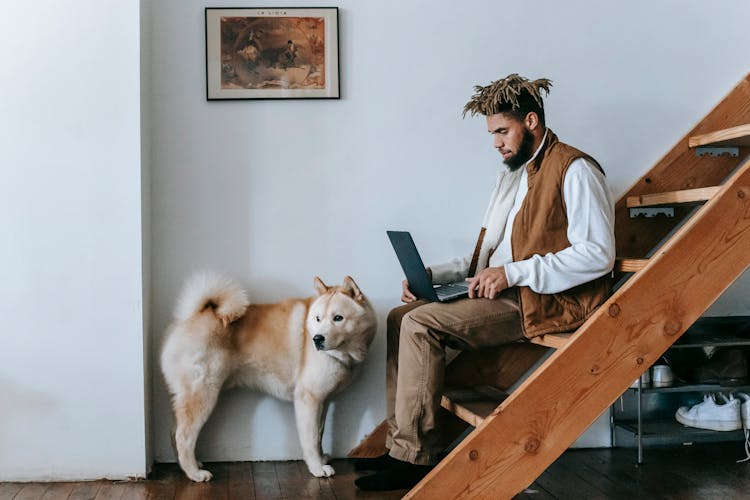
x=301, y=350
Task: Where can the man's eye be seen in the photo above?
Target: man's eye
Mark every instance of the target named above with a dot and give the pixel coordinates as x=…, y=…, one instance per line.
x=338, y=318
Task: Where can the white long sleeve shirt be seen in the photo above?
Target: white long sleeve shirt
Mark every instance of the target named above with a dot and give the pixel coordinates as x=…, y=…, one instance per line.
x=591, y=254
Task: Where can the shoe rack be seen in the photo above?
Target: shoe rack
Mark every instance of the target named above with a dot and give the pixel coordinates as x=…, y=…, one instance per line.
x=644, y=415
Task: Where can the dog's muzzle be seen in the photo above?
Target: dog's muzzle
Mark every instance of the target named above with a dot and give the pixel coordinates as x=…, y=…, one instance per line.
x=320, y=342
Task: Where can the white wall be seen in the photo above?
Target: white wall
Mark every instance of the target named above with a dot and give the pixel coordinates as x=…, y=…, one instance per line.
x=71, y=361
x=276, y=192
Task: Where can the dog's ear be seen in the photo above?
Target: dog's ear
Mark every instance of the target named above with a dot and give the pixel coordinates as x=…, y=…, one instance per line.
x=351, y=288
x=320, y=287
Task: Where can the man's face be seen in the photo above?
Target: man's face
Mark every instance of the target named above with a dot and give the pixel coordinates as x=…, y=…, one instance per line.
x=512, y=139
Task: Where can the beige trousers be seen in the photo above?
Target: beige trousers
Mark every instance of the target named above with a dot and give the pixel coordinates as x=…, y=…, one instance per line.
x=417, y=336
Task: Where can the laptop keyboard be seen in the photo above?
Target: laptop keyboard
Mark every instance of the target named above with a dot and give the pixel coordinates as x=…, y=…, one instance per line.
x=451, y=289
x=455, y=287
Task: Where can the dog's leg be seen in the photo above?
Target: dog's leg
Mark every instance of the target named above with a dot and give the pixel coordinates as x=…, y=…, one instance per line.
x=191, y=412
x=321, y=429
x=308, y=409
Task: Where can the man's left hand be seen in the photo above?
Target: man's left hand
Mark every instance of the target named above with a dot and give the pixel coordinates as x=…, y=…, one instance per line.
x=488, y=283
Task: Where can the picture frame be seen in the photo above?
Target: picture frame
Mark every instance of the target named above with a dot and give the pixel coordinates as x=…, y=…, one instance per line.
x=272, y=53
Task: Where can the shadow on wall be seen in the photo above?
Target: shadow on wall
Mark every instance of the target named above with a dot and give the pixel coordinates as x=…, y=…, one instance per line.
x=18, y=404
x=200, y=220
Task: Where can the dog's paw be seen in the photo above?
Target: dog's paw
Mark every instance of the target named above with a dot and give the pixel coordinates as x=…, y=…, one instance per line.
x=322, y=471
x=201, y=476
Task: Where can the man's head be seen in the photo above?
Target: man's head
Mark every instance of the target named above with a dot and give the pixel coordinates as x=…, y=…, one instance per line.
x=514, y=110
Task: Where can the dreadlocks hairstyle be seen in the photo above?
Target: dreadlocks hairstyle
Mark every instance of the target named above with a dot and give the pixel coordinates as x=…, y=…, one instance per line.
x=513, y=95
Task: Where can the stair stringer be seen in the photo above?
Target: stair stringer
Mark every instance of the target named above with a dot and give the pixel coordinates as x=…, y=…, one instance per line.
x=556, y=404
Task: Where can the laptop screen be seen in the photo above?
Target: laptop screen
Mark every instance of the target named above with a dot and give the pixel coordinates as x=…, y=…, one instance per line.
x=419, y=282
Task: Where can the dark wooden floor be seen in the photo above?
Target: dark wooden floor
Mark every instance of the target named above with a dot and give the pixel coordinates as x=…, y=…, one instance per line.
x=695, y=472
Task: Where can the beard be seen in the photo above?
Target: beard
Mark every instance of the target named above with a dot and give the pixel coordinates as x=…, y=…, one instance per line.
x=524, y=152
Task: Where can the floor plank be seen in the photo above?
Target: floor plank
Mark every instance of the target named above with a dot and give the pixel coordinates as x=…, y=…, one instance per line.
x=534, y=492
x=315, y=487
x=266, y=481
x=241, y=482
x=58, y=491
x=559, y=482
x=706, y=471
x=113, y=490
x=9, y=490
x=85, y=491
x=31, y=491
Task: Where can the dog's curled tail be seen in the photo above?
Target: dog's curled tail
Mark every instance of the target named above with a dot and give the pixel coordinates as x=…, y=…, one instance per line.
x=210, y=292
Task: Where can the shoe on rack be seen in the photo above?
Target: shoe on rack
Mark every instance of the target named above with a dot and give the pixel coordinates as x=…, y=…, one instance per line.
x=726, y=367
x=744, y=409
x=745, y=414
x=716, y=413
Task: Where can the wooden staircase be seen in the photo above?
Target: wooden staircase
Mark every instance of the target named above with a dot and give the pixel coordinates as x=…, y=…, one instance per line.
x=681, y=264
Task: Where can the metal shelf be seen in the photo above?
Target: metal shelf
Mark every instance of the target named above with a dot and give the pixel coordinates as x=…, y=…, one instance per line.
x=663, y=427
x=686, y=387
x=726, y=331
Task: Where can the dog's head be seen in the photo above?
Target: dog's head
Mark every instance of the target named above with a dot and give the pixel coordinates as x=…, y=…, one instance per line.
x=341, y=321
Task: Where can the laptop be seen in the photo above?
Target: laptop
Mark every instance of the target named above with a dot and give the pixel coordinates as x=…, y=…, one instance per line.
x=419, y=281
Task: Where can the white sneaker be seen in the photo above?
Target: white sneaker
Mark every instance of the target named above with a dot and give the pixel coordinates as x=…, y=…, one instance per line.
x=745, y=413
x=744, y=409
x=713, y=414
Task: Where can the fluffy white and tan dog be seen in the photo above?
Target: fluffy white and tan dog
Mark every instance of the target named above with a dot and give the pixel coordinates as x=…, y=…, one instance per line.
x=302, y=350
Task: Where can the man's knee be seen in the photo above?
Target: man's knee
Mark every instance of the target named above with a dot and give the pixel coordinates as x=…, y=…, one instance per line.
x=415, y=324
x=424, y=324
x=396, y=316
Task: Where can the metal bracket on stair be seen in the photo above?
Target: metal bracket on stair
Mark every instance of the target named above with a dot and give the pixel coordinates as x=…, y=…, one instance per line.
x=651, y=212
x=717, y=151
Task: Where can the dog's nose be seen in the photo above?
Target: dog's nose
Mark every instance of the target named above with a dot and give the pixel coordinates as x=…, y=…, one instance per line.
x=319, y=341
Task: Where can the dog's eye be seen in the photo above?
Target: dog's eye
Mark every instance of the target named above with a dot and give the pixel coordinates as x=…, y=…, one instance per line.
x=317, y=318
x=338, y=318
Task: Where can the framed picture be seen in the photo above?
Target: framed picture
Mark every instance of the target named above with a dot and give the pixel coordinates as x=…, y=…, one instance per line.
x=272, y=53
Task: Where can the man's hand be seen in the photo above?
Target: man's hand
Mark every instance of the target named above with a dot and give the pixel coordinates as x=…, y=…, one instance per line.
x=488, y=283
x=406, y=295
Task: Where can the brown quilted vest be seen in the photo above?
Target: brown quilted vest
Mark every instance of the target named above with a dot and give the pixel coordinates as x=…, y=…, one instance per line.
x=541, y=227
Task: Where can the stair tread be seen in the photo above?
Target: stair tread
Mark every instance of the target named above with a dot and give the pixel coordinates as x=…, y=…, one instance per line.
x=733, y=136
x=472, y=404
x=553, y=340
x=685, y=196
x=629, y=265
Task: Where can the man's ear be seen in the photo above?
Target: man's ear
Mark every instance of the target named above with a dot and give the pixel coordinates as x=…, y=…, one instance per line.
x=320, y=287
x=531, y=121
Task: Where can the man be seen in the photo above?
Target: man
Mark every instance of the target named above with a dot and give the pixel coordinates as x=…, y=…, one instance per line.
x=540, y=266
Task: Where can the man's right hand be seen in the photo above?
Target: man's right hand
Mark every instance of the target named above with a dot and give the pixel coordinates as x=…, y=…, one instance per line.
x=406, y=295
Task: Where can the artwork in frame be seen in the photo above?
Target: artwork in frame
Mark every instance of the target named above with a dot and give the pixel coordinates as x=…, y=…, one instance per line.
x=272, y=53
